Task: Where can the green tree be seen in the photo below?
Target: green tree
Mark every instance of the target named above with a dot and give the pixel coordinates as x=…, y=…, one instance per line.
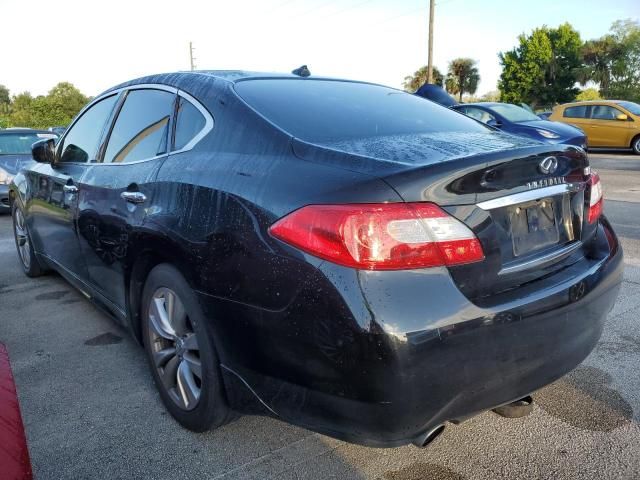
x=588, y=94
x=58, y=107
x=543, y=68
x=625, y=70
x=599, y=57
x=462, y=77
x=5, y=100
x=21, y=114
x=413, y=82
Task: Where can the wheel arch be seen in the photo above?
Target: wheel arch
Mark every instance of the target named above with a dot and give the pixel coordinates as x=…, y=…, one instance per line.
x=149, y=254
x=633, y=140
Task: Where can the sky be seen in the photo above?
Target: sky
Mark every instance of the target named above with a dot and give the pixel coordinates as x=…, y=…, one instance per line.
x=96, y=45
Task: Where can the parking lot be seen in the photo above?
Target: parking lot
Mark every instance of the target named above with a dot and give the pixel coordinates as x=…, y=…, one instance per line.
x=91, y=411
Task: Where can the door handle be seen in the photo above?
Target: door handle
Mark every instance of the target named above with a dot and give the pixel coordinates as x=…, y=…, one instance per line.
x=71, y=189
x=134, y=197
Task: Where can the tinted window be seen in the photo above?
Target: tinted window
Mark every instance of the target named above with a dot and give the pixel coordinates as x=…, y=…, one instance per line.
x=20, y=143
x=141, y=128
x=189, y=123
x=323, y=110
x=576, y=112
x=479, y=114
x=82, y=140
x=514, y=113
x=631, y=106
x=604, y=112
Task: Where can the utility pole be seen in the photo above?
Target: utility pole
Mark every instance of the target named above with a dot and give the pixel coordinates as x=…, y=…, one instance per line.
x=432, y=7
x=191, y=57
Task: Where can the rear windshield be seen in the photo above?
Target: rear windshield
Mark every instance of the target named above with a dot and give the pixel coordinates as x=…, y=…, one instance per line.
x=325, y=110
x=20, y=143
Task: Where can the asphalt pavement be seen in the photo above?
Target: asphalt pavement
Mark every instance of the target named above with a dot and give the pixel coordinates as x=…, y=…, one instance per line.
x=91, y=411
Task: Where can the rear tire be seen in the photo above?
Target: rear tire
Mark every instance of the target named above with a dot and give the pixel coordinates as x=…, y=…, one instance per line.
x=635, y=145
x=28, y=259
x=181, y=353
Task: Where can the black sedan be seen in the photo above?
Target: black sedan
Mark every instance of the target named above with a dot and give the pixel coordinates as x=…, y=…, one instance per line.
x=15, y=153
x=518, y=121
x=342, y=255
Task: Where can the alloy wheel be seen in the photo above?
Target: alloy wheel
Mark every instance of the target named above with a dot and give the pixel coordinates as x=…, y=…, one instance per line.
x=22, y=239
x=174, y=347
x=636, y=145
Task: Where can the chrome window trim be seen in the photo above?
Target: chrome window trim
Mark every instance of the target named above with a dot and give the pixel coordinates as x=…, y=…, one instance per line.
x=530, y=195
x=538, y=262
x=208, y=126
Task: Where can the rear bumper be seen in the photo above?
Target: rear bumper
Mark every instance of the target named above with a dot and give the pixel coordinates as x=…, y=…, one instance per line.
x=4, y=198
x=380, y=358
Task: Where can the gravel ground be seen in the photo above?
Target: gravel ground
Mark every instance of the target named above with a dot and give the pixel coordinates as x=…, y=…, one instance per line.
x=91, y=410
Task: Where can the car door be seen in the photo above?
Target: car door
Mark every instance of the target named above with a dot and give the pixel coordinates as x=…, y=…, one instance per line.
x=115, y=192
x=577, y=115
x=605, y=130
x=53, y=206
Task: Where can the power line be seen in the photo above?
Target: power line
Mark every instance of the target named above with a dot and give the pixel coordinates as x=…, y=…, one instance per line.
x=357, y=5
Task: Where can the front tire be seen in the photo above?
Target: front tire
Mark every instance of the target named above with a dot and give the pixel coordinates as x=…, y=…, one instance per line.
x=28, y=259
x=181, y=353
x=635, y=145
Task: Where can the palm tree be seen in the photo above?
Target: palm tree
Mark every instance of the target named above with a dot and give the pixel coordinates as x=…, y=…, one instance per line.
x=462, y=77
x=598, y=57
x=419, y=78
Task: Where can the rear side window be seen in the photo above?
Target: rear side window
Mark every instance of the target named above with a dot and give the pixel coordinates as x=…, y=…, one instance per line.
x=141, y=129
x=82, y=140
x=189, y=123
x=575, y=112
x=324, y=110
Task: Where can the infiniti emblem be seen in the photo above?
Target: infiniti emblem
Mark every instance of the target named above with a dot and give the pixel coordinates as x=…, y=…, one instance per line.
x=548, y=165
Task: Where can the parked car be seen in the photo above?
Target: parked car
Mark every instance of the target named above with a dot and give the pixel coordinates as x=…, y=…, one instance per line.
x=58, y=130
x=437, y=94
x=607, y=123
x=15, y=152
x=346, y=256
x=518, y=121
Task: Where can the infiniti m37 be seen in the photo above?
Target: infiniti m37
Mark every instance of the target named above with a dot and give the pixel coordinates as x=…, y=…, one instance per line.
x=342, y=255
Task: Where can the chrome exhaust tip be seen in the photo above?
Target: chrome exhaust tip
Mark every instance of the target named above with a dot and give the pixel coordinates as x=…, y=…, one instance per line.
x=424, y=440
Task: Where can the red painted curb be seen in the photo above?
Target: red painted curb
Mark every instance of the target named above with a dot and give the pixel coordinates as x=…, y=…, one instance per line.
x=14, y=454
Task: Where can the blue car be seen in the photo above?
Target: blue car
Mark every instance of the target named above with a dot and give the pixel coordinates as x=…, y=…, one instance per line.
x=518, y=121
x=15, y=153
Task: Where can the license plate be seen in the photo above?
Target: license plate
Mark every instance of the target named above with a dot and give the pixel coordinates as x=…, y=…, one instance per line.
x=533, y=226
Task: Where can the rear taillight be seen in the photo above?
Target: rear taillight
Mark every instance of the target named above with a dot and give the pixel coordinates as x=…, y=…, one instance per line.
x=386, y=236
x=596, y=198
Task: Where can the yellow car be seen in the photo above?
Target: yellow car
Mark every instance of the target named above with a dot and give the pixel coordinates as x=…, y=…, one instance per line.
x=606, y=123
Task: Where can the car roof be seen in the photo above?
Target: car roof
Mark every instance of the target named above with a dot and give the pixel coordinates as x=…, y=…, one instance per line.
x=188, y=79
x=19, y=130
x=591, y=102
x=483, y=104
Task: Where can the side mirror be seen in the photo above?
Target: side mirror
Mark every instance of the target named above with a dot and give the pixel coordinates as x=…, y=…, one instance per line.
x=494, y=123
x=44, y=151
x=622, y=117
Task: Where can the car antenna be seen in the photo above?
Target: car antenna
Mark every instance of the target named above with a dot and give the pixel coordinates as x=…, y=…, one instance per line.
x=302, y=71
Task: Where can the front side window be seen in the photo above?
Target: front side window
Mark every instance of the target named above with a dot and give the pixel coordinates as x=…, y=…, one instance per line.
x=141, y=129
x=631, y=106
x=82, y=141
x=479, y=114
x=579, y=111
x=189, y=123
x=330, y=111
x=604, y=112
